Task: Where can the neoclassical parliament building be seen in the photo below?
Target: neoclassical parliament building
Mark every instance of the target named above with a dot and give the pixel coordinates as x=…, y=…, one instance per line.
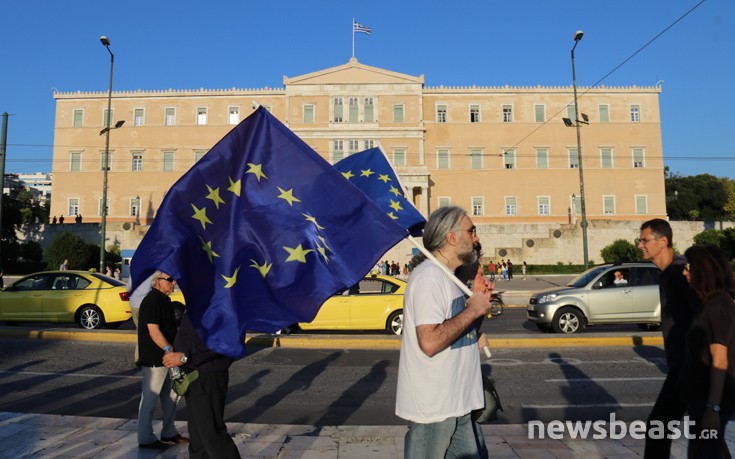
x=501, y=152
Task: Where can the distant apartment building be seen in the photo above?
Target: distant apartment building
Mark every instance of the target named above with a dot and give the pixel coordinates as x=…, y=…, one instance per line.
x=502, y=153
x=40, y=181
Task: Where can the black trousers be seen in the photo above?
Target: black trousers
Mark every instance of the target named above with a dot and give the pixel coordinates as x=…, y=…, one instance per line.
x=668, y=407
x=205, y=401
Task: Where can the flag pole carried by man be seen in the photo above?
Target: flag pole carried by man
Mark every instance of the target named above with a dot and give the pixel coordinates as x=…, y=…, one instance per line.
x=260, y=232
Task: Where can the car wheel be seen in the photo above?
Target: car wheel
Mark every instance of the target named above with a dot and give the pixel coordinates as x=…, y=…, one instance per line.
x=649, y=327
x=568, y=320
x=395, y=323
x=546, y=328
x=90, y=318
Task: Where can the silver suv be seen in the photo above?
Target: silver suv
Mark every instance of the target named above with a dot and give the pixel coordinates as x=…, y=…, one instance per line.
x=607, y=294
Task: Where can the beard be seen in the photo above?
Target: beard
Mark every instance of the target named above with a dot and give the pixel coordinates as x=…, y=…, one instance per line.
x=469, y=257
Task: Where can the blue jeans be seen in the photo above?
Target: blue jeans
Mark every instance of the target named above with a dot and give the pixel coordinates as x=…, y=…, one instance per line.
x=451, y=438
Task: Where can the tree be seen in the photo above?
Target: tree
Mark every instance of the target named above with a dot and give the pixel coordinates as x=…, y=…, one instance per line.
x=68, y=246
x=619, y=251
x=699, y=197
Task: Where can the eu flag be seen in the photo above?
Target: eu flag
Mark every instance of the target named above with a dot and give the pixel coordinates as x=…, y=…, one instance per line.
x=370, y=171
x=260, y=232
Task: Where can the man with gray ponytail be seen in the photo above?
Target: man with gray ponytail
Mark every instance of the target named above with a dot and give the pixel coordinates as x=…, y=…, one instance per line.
x=439, y=378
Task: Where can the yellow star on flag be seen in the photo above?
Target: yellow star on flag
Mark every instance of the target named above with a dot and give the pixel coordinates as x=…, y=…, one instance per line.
x=395, y=205
x=366, y=173
x=313, y=220
x=201, y=215
x=207, y=247
x=232, y=279
x=348, y=175
x=234, y=186
x=323, y=252
x=256, y=169
x=297, y=253
x=395, y=191
x=264, y=268
x=392, y=215
x=288, y=196
x=384, y=178
x=324, y=242
x=214, y=196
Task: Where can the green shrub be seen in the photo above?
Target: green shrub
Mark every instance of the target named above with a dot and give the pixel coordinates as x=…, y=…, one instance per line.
x=620, y=251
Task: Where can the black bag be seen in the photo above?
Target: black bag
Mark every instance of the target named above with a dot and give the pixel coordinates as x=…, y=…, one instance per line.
x=492, y=403
x=181, y=385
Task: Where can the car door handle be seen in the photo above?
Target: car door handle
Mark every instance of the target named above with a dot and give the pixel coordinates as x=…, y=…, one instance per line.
x=627, y=290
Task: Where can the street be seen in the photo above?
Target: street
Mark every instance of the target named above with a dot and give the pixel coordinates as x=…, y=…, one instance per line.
x=332, y=387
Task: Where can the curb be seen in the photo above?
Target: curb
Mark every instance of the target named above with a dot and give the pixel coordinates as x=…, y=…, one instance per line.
x=346, y=342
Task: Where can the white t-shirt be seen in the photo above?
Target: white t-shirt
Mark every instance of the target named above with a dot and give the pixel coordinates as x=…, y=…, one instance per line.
x=431, y=389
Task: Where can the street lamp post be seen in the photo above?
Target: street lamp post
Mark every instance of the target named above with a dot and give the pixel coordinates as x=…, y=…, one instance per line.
x=105, y=162
x=583, y=211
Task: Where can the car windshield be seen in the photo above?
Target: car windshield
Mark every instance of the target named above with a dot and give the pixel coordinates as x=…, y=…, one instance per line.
x=586, y=277
x=109, y=280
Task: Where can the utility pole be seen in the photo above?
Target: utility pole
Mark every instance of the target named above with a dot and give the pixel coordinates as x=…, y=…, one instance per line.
x=3, y=144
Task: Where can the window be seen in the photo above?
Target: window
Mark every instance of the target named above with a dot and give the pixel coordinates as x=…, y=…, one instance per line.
x=606, y=158
x=170, y=116
x=444, y=201
x=539, y=113
x=100, y=209
x=635, y=113
x=78, y=120
x=510, y=205
x=369, y=110
x=478, y=206
x=608, y=204
x=474, y=113
x=138, y=117
x=354, y=146
x=108, y=115
x=73, y=206
x=369, y=144
x=507, y=113
x=573, y=158
x=338, y=110
x=201, y=116
x=308, y=114
x=233, y=115
x=441, y=113
x=168, y=161
x=108, y=155
x=399, y=157
x=544, y=207
x=134, y=211
x=604, y=113
x=509, y=159
x=75, y=161
x=542, y=158
x=137, y=162
x=639, y=158
x=199, y=154
x=641, y=204
x=338, y=153
x=398, y=113
x=577, y=204
x=476, y=158
x=354, y=110
x=442, y=159
x=571, y=113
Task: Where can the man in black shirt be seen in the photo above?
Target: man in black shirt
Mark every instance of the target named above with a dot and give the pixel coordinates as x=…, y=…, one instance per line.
x=205, y=398
x=678, y=306
x=156, y=333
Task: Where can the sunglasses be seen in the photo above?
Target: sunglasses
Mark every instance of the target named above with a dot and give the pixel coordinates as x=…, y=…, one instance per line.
x=167, y=279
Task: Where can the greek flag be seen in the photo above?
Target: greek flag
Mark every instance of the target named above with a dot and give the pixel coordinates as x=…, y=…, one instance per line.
x=357, y=27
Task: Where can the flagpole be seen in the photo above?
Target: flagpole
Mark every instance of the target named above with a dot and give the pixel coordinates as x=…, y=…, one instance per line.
x=353, y=38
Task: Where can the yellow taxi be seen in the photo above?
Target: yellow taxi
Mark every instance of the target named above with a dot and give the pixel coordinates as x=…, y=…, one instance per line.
x=90, y=300
x=375, y=303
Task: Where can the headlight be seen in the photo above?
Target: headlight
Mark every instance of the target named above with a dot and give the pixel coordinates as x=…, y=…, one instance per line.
x=547, y=298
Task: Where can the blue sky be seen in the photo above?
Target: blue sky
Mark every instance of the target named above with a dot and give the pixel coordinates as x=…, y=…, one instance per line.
x=251, y=44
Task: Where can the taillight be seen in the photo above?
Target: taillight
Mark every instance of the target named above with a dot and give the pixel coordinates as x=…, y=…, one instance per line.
x=124, y=296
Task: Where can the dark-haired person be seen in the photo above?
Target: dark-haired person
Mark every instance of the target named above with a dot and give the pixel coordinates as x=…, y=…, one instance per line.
x=679, y=303
x=709, y=376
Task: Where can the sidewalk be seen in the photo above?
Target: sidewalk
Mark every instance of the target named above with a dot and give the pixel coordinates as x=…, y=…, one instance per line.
x=39, y=436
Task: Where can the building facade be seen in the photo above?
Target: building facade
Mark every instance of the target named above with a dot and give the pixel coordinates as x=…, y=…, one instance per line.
x=502, y=153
